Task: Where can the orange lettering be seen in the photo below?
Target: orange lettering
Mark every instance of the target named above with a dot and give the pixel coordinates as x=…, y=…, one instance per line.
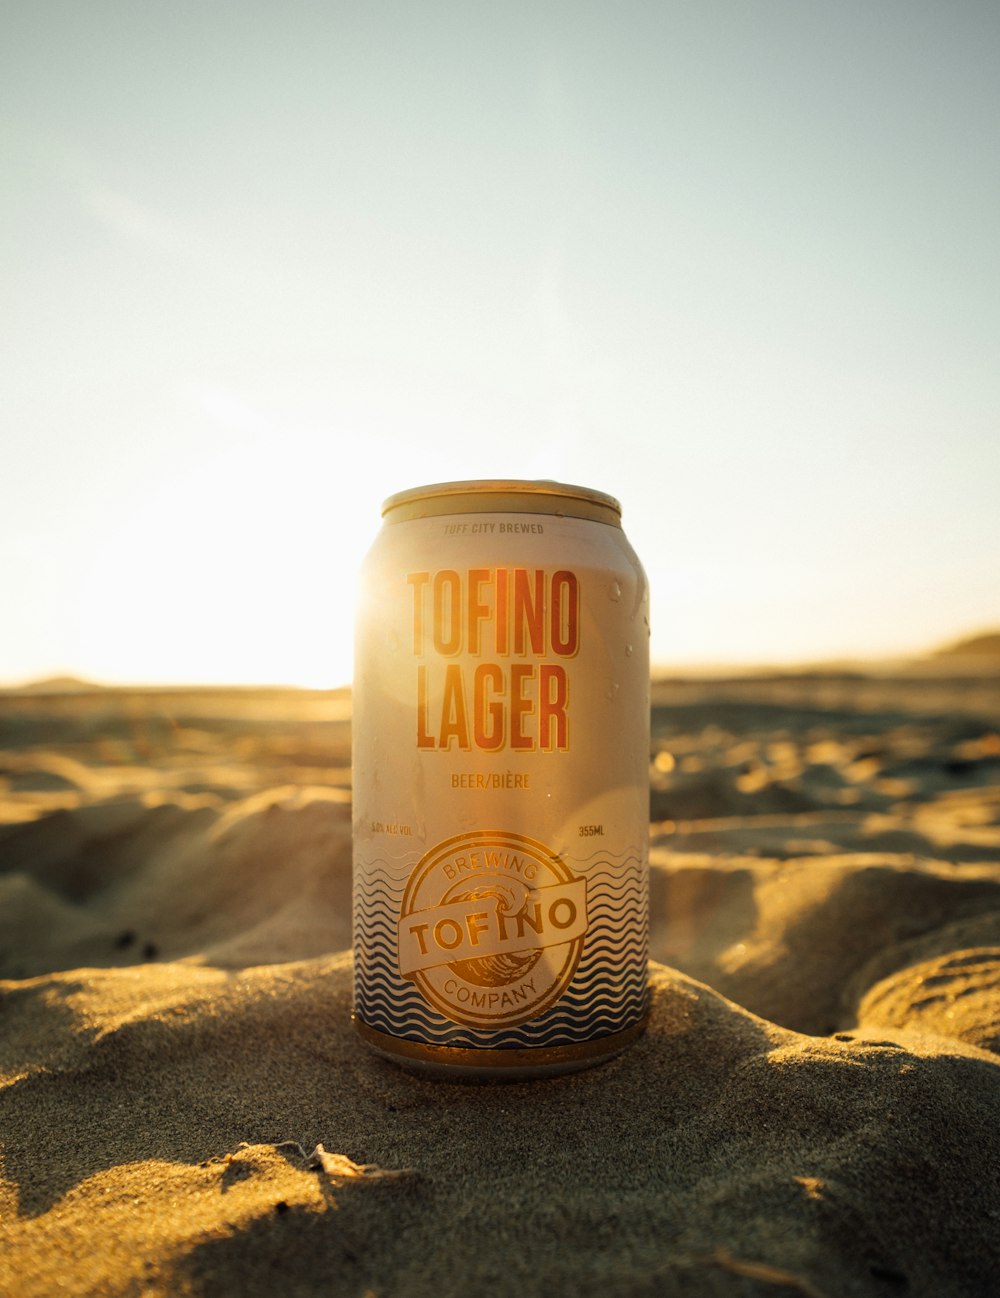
x=454, y=721
x=502, y=637
x=424, y=740
x=447, y=612
x=553, y=689
x=477, y=609
x=529, y=611
x=520, y=707
x=418, y=580
x=488, y=723
x=564, y=614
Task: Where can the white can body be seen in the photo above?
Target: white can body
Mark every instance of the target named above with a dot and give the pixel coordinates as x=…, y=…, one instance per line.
x=500, y=781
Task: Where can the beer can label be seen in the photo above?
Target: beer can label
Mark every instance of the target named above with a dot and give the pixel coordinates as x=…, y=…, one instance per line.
x=501, y=741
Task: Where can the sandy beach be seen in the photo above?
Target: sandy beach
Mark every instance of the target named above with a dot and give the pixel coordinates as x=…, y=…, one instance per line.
x=814, y=1108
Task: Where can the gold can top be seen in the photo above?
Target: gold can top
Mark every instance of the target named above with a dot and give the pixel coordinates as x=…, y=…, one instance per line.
x=503, y=496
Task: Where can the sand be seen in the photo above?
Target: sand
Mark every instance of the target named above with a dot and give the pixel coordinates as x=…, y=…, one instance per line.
x=813, y=1110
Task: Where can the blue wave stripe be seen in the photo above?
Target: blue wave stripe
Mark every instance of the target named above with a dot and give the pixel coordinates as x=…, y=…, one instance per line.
x=555, y=1034
x=618, y=991
x=403, y=861
x=633, y=852
x=608, y=993
x=611, y=942
x=411, y=1017
x=613, y=936
x=614, y=864
x=598, y=904
x=600, y=910
x=619, y=988
x=380, y=973
x=435, y=1027
x=609, y=946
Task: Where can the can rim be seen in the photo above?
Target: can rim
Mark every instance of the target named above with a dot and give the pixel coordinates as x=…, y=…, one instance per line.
x=487, y=493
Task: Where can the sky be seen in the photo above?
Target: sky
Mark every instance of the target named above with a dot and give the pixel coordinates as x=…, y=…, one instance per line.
x=733, y=261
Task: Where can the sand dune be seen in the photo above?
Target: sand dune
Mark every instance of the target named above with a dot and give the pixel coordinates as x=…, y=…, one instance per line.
x=813, y=1109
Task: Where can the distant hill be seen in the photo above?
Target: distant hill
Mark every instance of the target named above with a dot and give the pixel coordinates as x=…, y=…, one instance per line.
x=986, y=645
x=56, y=685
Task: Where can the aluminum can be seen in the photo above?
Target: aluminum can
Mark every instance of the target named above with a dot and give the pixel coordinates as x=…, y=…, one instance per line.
x=501, y=781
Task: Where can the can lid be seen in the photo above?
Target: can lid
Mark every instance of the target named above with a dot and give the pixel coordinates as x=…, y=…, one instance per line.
x=503, y=495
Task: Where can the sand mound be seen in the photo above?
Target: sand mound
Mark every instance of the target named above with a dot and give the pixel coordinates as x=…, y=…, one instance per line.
x=814, y=1108
x=178, y=1128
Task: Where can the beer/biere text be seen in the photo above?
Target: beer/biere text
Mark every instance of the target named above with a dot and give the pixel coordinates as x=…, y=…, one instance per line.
x=489, y=779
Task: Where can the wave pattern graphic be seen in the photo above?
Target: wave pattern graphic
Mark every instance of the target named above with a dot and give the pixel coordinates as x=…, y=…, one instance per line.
x=608, y=993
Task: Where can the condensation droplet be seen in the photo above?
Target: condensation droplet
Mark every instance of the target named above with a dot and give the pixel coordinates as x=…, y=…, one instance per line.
x=628, y=651
x=615, y=590
x=612, y=691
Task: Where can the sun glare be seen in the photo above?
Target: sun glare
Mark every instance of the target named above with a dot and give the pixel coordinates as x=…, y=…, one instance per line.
x=257, y=587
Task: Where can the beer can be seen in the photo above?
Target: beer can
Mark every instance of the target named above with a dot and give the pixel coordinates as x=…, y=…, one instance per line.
x=501, y=781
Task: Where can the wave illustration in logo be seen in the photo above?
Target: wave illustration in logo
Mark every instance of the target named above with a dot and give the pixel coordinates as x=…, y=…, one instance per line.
x=491, y=928
x=607, y=994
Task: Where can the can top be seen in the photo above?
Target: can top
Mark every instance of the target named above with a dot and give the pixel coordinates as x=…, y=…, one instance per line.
x=503, y=496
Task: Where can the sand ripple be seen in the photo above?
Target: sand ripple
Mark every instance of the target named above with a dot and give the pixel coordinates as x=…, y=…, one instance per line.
x=814, y=1108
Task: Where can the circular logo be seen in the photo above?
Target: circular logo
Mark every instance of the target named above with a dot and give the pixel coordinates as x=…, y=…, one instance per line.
x=491, y=928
